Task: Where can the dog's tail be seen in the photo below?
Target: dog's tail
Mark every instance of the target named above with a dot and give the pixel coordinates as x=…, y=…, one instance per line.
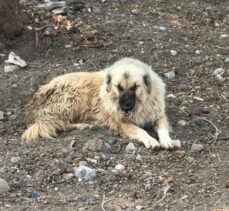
x=43, y=129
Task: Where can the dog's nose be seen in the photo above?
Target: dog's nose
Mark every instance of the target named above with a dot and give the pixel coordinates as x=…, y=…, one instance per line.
x=127, y=101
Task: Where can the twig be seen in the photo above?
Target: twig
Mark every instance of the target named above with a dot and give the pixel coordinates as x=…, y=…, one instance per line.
x=166, y=188
x=184, y=111
x=104, y=202
x=217, y=131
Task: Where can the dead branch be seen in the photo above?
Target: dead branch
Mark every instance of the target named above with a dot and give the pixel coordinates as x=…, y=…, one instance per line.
x=104, y=202
x=166, y=188
x=217, y=131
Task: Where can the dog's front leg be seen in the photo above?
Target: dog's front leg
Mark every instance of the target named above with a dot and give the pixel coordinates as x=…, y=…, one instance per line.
x=162, y=128
x=134, y=132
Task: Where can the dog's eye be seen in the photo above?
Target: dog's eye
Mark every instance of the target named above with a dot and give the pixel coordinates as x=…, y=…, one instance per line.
x=134, y=87
x=120, y=88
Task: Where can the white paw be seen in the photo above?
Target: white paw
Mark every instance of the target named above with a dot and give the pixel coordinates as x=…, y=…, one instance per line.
x=150, y=142
x=168, y=143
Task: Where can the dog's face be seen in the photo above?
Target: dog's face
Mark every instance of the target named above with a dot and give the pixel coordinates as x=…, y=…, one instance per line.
x=128, y=88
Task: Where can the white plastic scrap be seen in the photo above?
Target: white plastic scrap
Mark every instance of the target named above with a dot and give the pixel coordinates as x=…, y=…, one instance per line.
x=85, y=173
x=15, y=60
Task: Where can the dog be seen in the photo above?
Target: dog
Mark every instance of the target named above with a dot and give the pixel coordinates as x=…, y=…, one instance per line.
x=123, y=97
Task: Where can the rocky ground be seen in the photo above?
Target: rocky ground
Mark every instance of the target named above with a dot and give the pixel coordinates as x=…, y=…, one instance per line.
x=186, y=42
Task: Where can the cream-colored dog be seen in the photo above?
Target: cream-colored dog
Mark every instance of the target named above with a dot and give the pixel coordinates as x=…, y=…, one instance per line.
x=123, y=97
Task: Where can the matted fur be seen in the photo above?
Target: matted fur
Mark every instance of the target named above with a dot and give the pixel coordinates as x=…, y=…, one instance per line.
x=71, y=100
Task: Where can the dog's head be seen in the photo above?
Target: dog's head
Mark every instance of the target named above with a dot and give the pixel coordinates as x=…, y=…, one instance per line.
x=128, y=85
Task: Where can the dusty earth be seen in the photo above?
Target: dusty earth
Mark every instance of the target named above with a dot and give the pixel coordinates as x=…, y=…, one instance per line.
x=43, y=178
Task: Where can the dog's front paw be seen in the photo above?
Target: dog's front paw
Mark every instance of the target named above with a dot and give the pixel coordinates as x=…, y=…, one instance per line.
x=168, y=143
x=150, y=142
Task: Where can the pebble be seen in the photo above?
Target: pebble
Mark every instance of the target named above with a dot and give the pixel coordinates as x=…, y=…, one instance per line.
x=1, y=115
x=162, y=28
x=197, y=147
x=4, y=186
x=170, y=74
x=226, y=59
x=171, y=96
x=15, y=159
x=177, y=143
x=181, y=123
x=218, y=71
x=136, y=11
x=173, y=52
x=119, y=167
x=197, y=52
x=9, y=68
x=94, y=145
x=68, y=46
x=130, y=148
x=85, y=173
x=224, y=35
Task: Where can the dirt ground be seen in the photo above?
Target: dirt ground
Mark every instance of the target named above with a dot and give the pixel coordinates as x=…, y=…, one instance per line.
x=152, y=179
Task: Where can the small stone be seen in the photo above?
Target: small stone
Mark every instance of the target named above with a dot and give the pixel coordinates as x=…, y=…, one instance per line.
x=226, y=59
x=170, y=74
x=136, y=11
x=1, y=115
x=181, y=123
x=130, y=148
x=197, y=147
x=85, y=173
x=94, y=145
x=171, y=96
x=173, y=52
x=224, y=35
x=68, y=46
x=197, y=52
x=162, y=28
x=139, y=207
x=9, y=68
x=37, y=20
x=15, y=159
x=56, y=189
x=177, y=143
x=218, y=71
x=119, y=167
x=4, y=186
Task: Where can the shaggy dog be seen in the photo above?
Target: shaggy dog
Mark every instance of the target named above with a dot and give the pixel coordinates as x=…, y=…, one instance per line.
x=123, y=97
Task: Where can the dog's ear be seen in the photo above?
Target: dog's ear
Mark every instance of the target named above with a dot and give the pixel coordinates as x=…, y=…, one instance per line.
x=108, y=81
x=147, y=81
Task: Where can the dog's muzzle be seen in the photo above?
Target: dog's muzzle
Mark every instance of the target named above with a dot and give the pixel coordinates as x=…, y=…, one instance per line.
x=127, y=102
